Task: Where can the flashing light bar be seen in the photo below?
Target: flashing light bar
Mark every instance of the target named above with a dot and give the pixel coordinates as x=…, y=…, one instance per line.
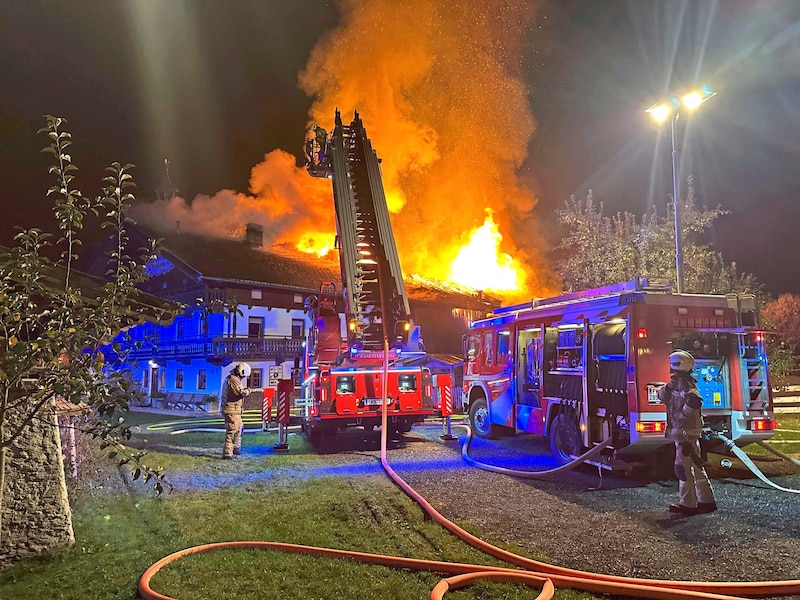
x=651, y=426
x=762, y=425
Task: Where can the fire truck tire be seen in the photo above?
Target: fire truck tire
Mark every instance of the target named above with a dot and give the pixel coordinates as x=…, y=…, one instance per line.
x=480, y=420
x=565, y=438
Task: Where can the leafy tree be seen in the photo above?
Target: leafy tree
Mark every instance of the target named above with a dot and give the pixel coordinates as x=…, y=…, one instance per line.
x=54, y=320
x=600, y=249
x=782, y=318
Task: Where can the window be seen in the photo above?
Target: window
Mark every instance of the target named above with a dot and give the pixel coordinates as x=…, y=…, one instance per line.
x=204, y=324
x=487, y=348
x=255, y=327
x=201, y=379
x=144, y=379
x=503, y=338
x=255, y=379
x=345, y=384
x=179, y=379
x=472, y=347
x=180, y=328
x=298, y=328
x=255, y=294
x=163, y=379
x=407, y=383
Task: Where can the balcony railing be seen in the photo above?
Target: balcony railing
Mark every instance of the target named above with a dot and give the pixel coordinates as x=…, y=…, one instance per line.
x=266, y=347
x=223, y=347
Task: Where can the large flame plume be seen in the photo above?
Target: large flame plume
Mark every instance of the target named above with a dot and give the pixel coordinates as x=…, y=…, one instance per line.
x=481, y=264
x=439, y=87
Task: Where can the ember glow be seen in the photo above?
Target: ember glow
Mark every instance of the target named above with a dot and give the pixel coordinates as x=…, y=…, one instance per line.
x=481, y=265
x=316, y=243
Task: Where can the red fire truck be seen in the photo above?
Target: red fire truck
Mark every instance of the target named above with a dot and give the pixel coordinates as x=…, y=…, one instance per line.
x=343, y=374
x=586, y=366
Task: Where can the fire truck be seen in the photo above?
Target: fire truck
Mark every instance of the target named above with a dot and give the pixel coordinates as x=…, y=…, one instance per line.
x=584, y=367
x=343, y=382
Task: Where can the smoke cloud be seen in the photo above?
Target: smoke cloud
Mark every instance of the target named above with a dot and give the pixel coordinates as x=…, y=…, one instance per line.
x=291, y=206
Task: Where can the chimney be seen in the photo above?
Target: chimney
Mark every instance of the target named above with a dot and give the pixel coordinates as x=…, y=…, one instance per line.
x=254, y=234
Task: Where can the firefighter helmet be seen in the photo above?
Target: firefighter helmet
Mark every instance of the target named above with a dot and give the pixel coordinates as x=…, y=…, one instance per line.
x=681, y=361
x=243, y=369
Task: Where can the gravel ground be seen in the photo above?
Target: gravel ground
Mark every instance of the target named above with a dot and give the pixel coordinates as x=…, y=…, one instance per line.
x=615, y=524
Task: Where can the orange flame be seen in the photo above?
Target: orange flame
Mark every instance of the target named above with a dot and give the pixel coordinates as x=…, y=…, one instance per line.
x=481, y=265
x=441, y=89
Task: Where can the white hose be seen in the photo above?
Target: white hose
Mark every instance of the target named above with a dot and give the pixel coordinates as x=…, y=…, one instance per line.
x=740, y=454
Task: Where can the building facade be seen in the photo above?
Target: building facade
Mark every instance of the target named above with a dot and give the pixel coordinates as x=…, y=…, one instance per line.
x=183, y=365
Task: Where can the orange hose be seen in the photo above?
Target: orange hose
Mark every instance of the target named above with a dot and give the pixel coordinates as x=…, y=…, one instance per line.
x=538, y=574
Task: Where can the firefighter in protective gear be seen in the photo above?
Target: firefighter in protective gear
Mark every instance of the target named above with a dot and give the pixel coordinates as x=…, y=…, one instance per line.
x=684, y=426
x=233, y=395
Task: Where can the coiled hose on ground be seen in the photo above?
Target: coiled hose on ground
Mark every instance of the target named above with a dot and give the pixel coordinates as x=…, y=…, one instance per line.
x=537, y=574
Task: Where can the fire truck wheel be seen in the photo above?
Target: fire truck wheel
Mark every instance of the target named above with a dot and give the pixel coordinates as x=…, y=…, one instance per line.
x=565, y=438
x=480, y=420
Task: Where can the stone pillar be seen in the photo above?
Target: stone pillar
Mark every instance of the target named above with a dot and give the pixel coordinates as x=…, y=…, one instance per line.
x=36, y=515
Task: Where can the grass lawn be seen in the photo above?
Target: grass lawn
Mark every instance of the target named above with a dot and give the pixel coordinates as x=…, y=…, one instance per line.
x=120, y=532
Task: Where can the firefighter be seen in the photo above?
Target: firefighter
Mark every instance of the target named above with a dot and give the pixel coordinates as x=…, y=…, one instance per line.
x=233, y=394
x=321, y=138
x=684, y=425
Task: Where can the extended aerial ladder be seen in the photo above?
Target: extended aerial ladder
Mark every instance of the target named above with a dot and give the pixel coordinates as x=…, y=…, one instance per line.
x=373, y=291
x=343, y=383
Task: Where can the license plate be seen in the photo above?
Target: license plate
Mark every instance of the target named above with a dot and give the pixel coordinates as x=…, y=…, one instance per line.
x=373, y=401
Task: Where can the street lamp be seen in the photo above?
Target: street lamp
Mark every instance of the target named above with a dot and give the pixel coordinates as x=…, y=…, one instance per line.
x=670, y=109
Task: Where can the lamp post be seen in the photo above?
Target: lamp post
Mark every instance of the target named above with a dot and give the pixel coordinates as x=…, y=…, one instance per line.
x=670, y=109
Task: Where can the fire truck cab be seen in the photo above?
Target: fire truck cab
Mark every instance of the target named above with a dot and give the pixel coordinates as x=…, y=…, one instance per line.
x=583, y=367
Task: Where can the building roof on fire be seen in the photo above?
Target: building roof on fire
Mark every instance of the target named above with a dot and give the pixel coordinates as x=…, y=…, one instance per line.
x=238, y=261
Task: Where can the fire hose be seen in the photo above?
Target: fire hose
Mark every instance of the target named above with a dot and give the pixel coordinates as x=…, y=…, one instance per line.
x=746, y=460
x=777, y=452
x=530, y=474
x=538, y=574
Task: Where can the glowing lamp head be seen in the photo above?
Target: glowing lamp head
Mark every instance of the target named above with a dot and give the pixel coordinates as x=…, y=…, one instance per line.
x=692, y=100
x=660, y=112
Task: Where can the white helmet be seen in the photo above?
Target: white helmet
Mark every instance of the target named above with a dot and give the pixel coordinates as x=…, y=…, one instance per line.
x=681, y=361
x=243, y=369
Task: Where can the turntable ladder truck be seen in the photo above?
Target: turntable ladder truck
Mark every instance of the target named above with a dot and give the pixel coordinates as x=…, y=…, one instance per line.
x=343, y=378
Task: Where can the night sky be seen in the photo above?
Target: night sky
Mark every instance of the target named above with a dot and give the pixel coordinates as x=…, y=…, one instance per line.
x=213, y=86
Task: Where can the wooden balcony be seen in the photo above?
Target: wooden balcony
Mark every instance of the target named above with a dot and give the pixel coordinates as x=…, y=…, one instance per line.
x=244, y=348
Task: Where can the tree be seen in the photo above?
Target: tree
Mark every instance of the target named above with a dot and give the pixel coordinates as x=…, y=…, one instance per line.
x=782, y=318
x=54, y=320
x=599, y=249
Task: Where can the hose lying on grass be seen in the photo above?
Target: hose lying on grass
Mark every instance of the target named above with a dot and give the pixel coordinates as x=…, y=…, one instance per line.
x=536, y=574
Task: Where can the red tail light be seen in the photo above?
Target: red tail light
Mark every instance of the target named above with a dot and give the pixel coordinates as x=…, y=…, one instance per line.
x=651, y=426
x=641, y=334
x=762, y=425
x=313, y=410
